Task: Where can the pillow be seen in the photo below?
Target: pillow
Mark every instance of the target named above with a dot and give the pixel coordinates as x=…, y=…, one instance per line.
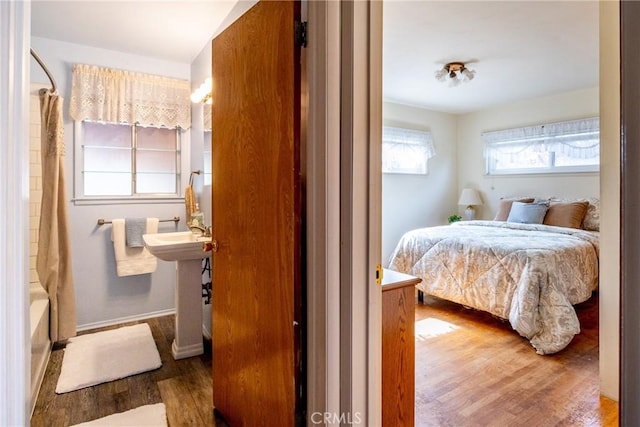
x=527, y=213
x=591, y=219
x=567, y=214
x=505, y=207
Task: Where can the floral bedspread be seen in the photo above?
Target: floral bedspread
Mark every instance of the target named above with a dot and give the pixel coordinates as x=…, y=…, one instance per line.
x=531, y=275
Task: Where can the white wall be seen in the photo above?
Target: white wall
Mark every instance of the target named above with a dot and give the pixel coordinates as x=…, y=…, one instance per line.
x=471, y=167
x=413, y=201
x=101, y=296
x=200, y=70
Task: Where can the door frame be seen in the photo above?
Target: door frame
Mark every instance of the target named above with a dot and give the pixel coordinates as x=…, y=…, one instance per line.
x=322, y=188
x=629, y=214
x=344, y=193
x=15, y=40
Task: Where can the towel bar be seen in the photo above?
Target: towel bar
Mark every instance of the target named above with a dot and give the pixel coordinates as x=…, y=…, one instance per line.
x=175, y=219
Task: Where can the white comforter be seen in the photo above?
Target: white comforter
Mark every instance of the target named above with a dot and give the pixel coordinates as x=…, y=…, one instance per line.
x=529, y=274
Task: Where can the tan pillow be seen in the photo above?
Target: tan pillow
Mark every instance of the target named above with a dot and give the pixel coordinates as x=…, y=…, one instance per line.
x=566, y=214
x=505, y=207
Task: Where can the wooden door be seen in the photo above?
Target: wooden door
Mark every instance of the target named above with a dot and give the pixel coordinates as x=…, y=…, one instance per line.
x=256, y=217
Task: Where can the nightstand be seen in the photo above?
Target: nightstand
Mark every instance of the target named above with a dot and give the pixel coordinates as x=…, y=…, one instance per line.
x=398, y=348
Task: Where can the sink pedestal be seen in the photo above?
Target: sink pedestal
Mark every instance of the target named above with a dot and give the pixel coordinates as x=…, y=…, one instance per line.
x=187, y=250
x=188, y=335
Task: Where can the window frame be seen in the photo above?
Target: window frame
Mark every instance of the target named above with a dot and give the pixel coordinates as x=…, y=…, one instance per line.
x=537, y=137
x=207, y=154
x=182, y=158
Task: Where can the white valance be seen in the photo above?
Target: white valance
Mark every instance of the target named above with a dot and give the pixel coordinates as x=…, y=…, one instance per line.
x=117, y=96
x=393, y=136
x=575, y=138
x=406, y=150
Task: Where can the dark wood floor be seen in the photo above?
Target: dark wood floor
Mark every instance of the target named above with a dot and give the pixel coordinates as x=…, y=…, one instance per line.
x=477, y=372
x=473, y=370
x=185, y=387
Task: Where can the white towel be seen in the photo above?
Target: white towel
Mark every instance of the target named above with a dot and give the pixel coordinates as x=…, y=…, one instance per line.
x=131, y=261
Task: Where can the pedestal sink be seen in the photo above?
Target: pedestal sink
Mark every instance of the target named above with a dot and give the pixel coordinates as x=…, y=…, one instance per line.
x=186, y=249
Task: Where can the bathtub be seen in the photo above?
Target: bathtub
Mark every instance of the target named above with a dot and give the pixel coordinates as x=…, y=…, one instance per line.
x=40, y=342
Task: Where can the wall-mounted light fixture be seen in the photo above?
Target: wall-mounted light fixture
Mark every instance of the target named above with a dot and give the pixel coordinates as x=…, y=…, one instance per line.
x=203, y=93
x=454, y=73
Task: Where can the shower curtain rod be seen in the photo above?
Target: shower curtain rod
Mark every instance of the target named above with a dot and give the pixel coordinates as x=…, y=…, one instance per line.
x=44, y=67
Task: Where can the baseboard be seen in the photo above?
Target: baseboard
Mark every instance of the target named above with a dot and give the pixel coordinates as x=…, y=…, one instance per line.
x=111, y=322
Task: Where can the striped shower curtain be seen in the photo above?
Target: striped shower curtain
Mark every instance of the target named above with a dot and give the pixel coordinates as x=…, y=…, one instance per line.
x=54, y=249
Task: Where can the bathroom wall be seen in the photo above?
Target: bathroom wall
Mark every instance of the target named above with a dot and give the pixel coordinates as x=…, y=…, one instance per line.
x=35, y=178
x=102, y=297
x=200, y=70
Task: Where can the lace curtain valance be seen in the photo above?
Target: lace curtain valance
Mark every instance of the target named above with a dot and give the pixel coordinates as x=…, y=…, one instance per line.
x=117, y=96
x=576, y=138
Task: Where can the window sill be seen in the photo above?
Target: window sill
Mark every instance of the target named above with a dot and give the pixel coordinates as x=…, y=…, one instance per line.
x=540, y=174
x=87, y=201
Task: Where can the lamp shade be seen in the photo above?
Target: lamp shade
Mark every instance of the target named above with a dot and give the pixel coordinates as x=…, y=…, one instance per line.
x=470, y=197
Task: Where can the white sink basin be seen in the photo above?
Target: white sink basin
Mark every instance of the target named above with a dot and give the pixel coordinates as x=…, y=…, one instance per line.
x=177, y=246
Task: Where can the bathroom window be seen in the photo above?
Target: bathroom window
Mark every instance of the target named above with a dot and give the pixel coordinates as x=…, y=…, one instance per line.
x=207, y=150
x=206, y=153
x=127, y=161
x=128, y=130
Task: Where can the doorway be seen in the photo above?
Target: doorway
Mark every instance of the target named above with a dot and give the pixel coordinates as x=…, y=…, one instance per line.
x=443, y=199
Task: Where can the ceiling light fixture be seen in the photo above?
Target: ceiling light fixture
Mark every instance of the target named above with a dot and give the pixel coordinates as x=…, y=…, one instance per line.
x=456, y=72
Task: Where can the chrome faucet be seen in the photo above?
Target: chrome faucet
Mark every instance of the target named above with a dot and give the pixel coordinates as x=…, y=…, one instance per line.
x=205, y=231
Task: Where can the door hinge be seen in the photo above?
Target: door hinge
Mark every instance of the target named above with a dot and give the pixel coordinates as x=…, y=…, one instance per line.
x=301, y=33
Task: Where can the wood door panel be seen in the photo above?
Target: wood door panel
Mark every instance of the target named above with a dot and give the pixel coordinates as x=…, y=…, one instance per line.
x=256, y=216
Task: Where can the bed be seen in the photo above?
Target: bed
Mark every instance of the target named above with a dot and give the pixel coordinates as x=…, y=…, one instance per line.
x=529, y=274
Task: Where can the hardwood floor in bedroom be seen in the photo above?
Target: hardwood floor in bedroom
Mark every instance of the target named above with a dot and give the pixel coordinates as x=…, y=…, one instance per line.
x=472, y=369
x=184, y=386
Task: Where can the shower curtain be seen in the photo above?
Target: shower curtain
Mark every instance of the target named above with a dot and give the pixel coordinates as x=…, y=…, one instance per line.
x=54, y=250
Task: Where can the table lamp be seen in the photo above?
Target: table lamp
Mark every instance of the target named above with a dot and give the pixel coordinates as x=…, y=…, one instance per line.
x=470, y=198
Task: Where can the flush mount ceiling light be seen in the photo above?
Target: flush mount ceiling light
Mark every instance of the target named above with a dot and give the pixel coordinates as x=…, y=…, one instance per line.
x=454, y=73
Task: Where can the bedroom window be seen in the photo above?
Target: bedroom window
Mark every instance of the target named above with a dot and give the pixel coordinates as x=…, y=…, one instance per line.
x=406, y=150
x=128, y=129
x=563, y=147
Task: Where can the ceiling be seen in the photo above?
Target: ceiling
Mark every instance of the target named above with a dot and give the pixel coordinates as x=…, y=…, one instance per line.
x=169, y=30
x=519, y=49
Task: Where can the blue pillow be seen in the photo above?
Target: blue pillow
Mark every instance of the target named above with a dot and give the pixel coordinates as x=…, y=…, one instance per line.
x=528, y=213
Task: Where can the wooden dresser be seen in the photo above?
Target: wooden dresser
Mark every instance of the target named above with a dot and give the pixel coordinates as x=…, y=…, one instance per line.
x=398, y=348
